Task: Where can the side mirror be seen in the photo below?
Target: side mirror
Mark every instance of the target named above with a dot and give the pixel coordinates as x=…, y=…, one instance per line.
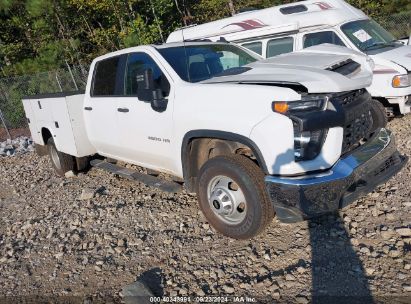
x=147, y=91
x=159, y=103
x=145, y=85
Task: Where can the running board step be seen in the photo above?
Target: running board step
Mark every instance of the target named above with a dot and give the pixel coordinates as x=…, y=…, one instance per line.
x=149, y=180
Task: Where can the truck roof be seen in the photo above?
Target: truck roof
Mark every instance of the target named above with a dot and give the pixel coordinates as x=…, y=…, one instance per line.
x=188, y=43
x=278, y=19
x=154, y=46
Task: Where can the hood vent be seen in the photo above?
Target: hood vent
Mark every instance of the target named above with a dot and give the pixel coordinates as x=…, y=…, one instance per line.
x=347, y=67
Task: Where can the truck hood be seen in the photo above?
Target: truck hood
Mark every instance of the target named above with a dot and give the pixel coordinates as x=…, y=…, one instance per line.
x=307, y=69
x=400, y=56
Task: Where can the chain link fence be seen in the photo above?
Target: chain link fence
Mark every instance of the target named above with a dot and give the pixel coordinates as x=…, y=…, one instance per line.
x=74, y=78
x=399, y=24
x=13, y=89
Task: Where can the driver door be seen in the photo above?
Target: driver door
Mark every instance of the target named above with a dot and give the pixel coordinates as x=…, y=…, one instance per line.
x=145, y=133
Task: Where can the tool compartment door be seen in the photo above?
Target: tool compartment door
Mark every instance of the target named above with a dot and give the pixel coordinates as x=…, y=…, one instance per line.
x=31, y=120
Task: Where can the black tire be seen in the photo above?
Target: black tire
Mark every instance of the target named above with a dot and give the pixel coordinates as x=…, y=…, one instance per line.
x=379, y=115
x=248, y=176
x=61, y=162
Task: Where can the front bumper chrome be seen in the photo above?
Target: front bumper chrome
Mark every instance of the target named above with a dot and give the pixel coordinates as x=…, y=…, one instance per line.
x=299, y=198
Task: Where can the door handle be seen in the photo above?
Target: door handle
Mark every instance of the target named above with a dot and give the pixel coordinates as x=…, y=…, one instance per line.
x=88, y=108
x=123, y=110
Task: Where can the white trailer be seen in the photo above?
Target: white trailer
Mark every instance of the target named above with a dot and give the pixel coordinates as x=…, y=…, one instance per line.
x=297, y=26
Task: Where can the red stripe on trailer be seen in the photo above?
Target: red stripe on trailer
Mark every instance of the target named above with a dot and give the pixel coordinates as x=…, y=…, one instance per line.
x=323, y=5
x=255, y=23
x=248, y=24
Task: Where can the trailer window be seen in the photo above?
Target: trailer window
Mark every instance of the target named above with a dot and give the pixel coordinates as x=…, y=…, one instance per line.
x=322, y=37
x=280, y=46
x=368, y=35
x=136, y=64
x=256, y=47
x=105, y=77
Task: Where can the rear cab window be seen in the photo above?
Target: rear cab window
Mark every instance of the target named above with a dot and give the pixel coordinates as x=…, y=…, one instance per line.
x=318, y=38
x=107, y=77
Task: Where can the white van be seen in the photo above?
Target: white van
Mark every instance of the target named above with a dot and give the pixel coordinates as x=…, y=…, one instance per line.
x=294, y=27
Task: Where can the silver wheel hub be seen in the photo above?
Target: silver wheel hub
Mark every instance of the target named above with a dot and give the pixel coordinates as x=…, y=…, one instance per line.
x=227, y=200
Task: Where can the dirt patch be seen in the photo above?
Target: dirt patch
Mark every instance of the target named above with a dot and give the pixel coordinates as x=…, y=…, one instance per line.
x=14, y=133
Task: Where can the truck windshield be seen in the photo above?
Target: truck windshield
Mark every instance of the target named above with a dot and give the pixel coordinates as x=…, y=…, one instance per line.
x=196, y=63
x=368, y=35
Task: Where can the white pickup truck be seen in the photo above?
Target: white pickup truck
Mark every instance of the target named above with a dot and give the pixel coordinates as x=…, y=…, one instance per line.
x=253, y=138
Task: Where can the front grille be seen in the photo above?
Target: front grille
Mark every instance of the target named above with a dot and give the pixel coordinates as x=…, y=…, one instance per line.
x=358, y=119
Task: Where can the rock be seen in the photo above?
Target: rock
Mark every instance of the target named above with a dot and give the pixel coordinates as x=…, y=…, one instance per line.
x=3, y=260
x=137, y=293
x=403, y=231
x=365, y=250
x=121, y=243
x=406, y=287
x=69, y=174
x=228, y=289
x=301, y=300
x=87, y=194
x=200, y=293
x=168, y=242
x=369, y=271
x=390, y=217
x=289, y=277
x=386, y=235
x=394, y=253
x=276, y=295
x=98, y=268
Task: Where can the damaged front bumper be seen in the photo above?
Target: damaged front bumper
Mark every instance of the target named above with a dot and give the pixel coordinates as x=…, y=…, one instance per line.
x=299, y=198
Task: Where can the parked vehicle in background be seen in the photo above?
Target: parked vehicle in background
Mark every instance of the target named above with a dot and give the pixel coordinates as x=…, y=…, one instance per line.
x=251, y=137
x=294, y=27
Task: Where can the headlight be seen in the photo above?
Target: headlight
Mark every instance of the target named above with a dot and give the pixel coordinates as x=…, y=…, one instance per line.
x=307, y=103
x=401, y=81
x=307, y=145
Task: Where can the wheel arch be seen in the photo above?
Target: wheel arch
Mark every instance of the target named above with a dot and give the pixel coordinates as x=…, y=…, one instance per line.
x=188, y=162
x=46, y=135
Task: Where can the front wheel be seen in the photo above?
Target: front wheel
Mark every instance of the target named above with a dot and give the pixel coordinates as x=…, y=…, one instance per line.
x=233, y=198
x=379, y=115
x=62, y=162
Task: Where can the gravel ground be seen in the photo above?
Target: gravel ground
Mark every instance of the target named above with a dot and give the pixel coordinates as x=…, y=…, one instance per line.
x=88, y=236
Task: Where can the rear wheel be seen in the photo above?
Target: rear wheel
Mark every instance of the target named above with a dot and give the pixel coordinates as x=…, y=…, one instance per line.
x=233, y=198
x=62, y=162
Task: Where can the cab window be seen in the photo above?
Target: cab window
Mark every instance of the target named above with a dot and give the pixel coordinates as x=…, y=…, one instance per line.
x=256, y=47
x=136, y=64
x=322, y=37
x=280, y=46
x=105, y=82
